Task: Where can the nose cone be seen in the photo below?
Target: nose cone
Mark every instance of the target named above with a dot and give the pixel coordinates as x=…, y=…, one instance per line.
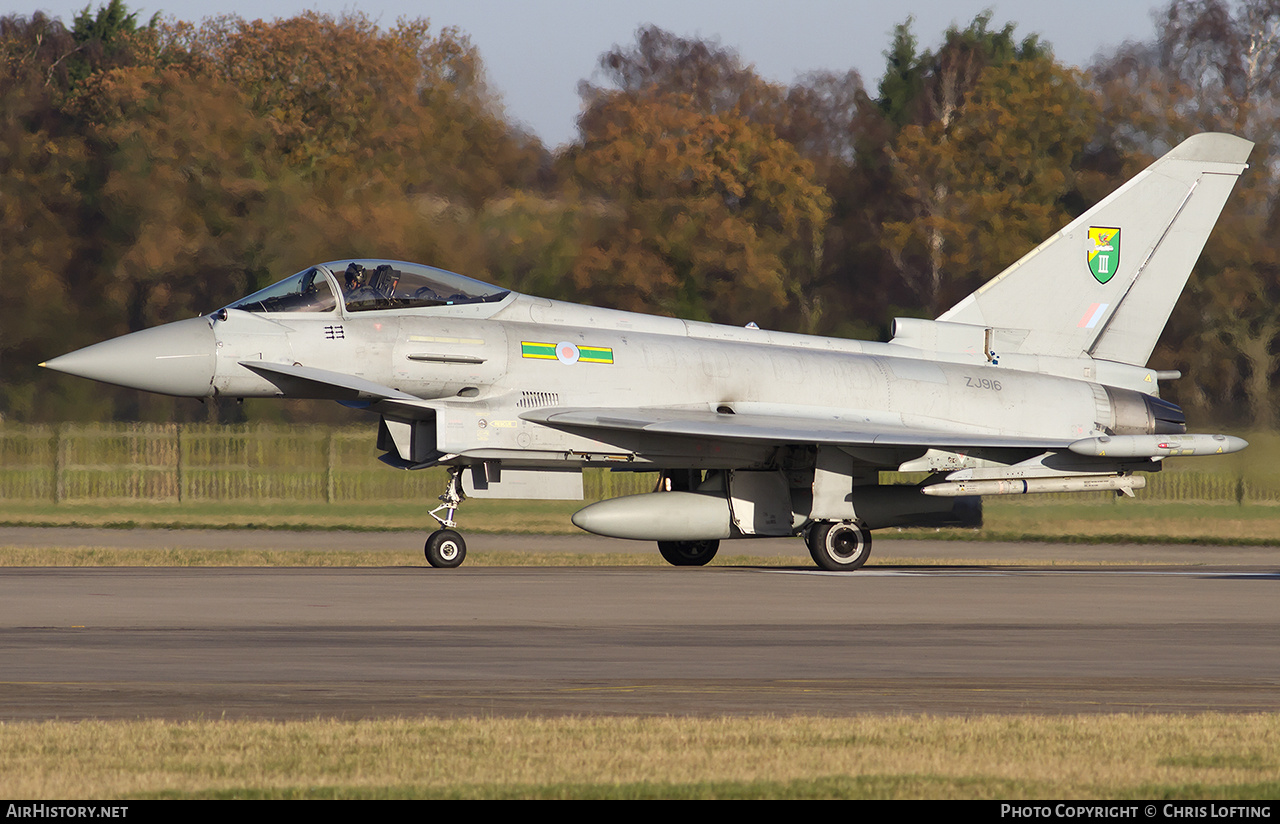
x=174, y=359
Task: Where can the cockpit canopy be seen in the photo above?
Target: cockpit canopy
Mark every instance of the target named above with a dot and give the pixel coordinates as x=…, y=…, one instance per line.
x=368, y=284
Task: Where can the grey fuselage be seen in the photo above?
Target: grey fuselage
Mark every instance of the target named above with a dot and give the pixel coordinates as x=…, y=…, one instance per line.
x=481, y=366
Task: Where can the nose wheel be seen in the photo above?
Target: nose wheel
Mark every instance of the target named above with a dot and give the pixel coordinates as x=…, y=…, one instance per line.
x=445, y=548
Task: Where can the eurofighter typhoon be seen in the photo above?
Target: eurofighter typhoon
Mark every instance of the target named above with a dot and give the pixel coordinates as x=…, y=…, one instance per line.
x=1037, y=382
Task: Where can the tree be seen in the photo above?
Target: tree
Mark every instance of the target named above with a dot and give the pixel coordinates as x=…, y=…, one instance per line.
x=718, y=218
x=44, y=161
x=40, y=167
x=348, y=101
x=109, y=38
x=708, y=76
x=714, y=211
x=984, y=161
x=1214, y=66
x=148, y=173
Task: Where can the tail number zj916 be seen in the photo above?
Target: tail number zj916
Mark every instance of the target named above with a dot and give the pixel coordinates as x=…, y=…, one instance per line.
x=982, y=383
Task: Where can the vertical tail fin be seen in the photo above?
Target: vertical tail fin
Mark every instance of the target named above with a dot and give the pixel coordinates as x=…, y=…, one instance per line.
x=1105, y=285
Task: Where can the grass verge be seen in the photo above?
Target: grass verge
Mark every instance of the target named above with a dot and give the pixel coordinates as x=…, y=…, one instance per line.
x=1021, y=520
x=984, y=757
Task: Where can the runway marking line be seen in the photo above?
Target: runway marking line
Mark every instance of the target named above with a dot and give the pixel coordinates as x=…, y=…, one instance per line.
x=970, y=572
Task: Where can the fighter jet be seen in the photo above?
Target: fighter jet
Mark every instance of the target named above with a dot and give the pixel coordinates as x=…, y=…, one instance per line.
x=1036, y=382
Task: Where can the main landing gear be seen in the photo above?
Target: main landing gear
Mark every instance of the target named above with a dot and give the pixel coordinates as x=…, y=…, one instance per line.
x=445, y=548
x=688, y=553
x=838, y=546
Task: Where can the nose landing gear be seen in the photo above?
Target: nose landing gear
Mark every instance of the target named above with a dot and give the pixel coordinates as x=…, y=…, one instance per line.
x=445, y=548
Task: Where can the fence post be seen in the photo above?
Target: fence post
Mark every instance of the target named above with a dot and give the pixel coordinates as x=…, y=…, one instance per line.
x=178, y=436
x=328, y=468
x=57, y=463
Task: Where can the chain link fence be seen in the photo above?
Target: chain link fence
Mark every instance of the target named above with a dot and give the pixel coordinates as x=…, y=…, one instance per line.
x=193, y=462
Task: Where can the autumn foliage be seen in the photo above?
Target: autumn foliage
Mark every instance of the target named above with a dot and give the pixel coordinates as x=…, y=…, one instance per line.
x=153, y=170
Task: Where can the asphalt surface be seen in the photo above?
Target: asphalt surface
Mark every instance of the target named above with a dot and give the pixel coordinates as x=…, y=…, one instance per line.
x=1129, y=629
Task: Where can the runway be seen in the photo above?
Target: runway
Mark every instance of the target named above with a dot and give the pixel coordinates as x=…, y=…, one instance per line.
x=404, y=641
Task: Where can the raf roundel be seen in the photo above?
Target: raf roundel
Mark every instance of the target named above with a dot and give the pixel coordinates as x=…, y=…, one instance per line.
x=566, y=352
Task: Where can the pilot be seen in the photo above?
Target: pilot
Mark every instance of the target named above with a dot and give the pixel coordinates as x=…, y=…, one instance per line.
x=355, y=276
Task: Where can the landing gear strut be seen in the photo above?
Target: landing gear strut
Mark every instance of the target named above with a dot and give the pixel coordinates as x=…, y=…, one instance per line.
x=445, y=548
x=838, y=546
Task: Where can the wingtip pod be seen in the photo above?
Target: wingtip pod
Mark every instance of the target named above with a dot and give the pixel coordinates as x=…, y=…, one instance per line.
x=1157, y=446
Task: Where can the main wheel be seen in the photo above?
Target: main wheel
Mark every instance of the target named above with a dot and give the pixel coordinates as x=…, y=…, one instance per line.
x=839, y=546
x=688, y=553
x=445, y=549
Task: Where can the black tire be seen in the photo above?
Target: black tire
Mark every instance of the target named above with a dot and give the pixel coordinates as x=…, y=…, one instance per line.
x=688, y=553
x=839, y=547
x=445, y=549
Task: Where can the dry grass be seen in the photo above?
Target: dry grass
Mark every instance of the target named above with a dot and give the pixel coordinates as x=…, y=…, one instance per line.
x=1005, y=520
x=1113, y=757
x=1132, y=521
x=487, y=516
